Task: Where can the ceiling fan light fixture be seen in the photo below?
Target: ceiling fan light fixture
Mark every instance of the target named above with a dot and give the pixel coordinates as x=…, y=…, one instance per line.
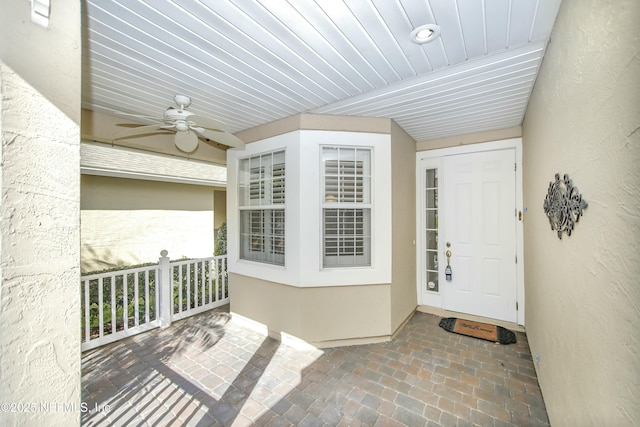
x=425, y=33
x=182, y=126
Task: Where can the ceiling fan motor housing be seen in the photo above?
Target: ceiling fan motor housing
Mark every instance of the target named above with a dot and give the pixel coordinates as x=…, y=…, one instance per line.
x=176, y=114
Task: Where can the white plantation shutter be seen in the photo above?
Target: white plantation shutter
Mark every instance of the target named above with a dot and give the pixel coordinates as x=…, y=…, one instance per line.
x=261, y=201
x=277, y=183
x=346, y=206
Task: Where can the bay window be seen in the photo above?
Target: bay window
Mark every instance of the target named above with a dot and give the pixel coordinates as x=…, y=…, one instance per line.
x=336, y=227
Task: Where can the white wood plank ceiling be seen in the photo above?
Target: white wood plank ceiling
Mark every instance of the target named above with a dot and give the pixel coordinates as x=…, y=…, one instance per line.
x=249, y=62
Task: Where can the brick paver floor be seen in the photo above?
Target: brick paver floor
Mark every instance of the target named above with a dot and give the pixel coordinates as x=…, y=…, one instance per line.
x=210, y=370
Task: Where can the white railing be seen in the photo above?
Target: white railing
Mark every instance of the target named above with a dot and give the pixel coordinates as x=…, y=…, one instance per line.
x=198, y=285
x=122, y=303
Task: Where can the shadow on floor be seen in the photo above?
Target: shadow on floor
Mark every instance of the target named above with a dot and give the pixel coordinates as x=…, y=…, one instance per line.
x=210, y=371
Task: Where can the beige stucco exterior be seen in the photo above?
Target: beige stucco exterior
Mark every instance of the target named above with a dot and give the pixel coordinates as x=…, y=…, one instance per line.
x=470, y=138
x=220, y=208
x=40, y=216
x=582, y=292
x=403, y=215
x=315, y=122
x=323, y=316
x=129, y=221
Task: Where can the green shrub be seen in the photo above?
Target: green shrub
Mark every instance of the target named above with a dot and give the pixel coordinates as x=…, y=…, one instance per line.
x=220, y=247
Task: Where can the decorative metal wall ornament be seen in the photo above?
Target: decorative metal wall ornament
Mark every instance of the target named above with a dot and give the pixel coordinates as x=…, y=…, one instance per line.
x=563, y=205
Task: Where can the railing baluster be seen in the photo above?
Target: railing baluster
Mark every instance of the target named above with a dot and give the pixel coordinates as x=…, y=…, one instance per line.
x=225, y=278
x=156, y=287
x=113, y=304
x=101, y=306
x=209, y=280
x=188, y=270
x=87, y=312
x=125, y=302
x=217, y=279
x=203, y=296
x=196, y=285
x=146, y=296
x=136, y=296
x=180, y=289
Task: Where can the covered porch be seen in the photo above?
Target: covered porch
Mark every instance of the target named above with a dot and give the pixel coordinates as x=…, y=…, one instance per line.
x=212, y=369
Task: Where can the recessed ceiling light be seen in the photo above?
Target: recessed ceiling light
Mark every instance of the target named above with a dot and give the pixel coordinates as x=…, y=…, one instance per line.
x=425, y=33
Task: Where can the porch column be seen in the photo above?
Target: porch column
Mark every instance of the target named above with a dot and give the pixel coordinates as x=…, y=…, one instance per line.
x=40, y=216
x=165, y=292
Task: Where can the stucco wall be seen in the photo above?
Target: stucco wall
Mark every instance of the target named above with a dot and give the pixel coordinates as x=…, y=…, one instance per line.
x=220, y=207
x=323, y=316
x=39, y=210
x=129, y=221
x=470, y=138
x=403, y=265
x=582, y=292
x=315, y=122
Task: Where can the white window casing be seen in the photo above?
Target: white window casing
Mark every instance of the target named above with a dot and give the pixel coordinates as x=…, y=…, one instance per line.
x=365, y=207
x=261, y=200
x=346, y=206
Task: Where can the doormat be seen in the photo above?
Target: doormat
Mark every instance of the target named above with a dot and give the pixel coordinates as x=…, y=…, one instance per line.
x=479, y=330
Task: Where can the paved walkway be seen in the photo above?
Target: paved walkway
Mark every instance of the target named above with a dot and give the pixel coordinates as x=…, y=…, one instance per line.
x=211, y=371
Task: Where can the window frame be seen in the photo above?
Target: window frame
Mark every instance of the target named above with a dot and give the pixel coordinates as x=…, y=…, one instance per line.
x=355, y=202
x=268, y=243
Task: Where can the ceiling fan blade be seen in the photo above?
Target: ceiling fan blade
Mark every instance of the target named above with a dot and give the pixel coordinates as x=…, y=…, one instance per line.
x=205, y=122
x=186, y=141
x=222, y=137
x=141, y=130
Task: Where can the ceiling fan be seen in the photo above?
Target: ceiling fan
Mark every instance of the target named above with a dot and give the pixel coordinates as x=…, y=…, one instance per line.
x=187, y=126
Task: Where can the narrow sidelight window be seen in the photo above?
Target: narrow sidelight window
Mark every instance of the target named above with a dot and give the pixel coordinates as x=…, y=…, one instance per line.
x=262, y=208
x=431, y=229
x=346, y=206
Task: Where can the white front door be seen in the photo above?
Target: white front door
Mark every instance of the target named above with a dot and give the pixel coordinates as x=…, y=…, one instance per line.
x=478, y=227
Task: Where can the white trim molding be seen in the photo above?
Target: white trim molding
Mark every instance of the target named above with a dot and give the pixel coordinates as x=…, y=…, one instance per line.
x=433, y=158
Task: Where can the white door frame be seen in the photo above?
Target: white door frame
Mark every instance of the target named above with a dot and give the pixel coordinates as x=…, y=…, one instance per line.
x=433, y=158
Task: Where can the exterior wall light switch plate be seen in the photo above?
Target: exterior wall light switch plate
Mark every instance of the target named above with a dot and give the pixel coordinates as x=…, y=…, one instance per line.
x=40, y=10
